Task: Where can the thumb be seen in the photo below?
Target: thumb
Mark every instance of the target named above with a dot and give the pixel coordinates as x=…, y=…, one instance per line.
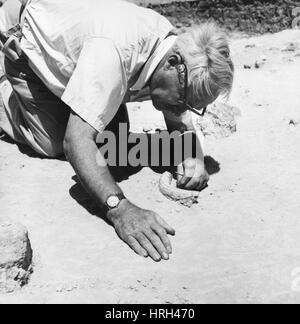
x=180, y=172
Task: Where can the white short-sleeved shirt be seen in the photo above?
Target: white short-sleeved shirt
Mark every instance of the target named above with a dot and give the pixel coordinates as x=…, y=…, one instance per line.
x=89, y=53
x=9, y=14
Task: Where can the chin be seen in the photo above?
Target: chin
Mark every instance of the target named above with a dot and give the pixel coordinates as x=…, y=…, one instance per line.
x=156, y=105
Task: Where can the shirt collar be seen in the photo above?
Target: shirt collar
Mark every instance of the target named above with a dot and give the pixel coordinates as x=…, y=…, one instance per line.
x=153, y=62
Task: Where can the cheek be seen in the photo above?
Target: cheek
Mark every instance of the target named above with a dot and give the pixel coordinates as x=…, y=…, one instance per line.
x=171, y=90
x=156, y=95
x=168, y=95
x=164, y=89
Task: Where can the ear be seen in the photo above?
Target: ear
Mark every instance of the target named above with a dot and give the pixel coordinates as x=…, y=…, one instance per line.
x=174, y=60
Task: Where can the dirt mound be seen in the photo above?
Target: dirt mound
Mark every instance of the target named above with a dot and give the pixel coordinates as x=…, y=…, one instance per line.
x=15, y=256
x=219, y=121
x=254, y=16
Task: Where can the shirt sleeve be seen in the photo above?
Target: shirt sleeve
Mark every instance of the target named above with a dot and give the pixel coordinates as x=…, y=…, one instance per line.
x=98, y=84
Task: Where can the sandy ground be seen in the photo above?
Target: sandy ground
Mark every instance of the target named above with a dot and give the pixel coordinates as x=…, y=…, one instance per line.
x=239, y=245
x=155, y=2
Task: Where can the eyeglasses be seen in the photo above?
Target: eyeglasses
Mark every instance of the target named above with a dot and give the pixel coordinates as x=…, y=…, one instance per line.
x=183, y=80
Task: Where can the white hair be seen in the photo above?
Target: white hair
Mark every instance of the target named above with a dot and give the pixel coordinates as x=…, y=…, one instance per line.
x=206, y=52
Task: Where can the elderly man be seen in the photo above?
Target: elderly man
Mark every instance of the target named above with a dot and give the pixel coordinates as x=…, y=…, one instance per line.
x=79, y=63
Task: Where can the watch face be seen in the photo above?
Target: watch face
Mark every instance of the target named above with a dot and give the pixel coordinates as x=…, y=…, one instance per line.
x=113, y=201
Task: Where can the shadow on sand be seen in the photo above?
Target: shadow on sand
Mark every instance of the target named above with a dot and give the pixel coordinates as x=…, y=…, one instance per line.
x=78, y=193
x=120, y=174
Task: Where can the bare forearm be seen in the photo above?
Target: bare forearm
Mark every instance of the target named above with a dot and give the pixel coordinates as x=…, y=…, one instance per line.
x=184, y=124
x=95, y=177
x=144, y=231
x=200, y=145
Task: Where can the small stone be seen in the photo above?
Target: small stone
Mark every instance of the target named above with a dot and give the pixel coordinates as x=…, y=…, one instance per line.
x=15, y=256
x=247, y=67
x=263, y=58
x=250, y=46
x=71, y=288
x=274, y=49
x=294, y=122
x=257, y=65
x=60, y=289
x=219, y=121
x=291, y=47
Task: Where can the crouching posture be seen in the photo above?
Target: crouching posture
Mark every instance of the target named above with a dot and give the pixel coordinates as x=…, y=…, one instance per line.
x=69, y=70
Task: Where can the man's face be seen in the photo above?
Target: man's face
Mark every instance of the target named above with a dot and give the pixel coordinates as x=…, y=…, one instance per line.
x=167, y=88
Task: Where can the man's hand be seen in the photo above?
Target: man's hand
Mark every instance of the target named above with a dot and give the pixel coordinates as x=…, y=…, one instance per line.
x=192, y=175
x=143, y=230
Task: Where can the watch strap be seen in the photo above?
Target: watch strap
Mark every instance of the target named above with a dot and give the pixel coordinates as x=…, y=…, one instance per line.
x=120, y=196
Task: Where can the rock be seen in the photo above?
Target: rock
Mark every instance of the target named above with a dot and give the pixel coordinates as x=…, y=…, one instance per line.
x=247, y=67
x=294, y=122
x=257, y=65
x=15, y=256
x=219, y=121
x=263, y=58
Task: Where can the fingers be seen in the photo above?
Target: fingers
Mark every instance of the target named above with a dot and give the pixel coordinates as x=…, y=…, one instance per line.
x=181, y=179
x=193, y=184
x=170, y=230
x=155, y=240
x=185, y=175
x=202, y=185
x=162, y=234
x=158, y=245
x=136, y=247
x=197, y=183
x=192, y=176
x=182, y=183
x=145, y=243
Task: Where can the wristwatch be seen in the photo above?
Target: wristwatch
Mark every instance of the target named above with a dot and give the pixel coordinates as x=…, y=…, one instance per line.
x=114, y=201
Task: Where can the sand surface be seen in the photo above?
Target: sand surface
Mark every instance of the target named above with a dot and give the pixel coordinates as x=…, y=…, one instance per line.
x=239, y=245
